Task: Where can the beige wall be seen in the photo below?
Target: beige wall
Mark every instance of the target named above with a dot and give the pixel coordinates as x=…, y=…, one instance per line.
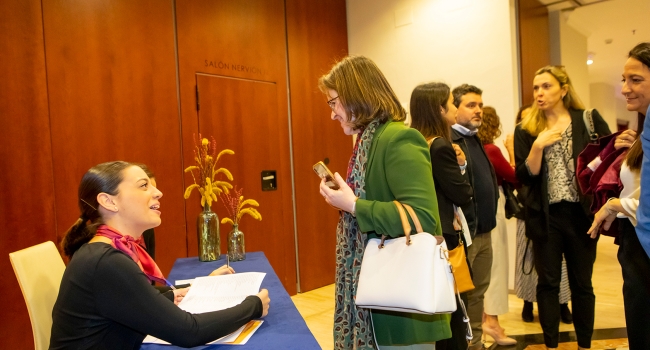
x=607, y=100
x=460, y=41
x=569, y=48
x=453, y=41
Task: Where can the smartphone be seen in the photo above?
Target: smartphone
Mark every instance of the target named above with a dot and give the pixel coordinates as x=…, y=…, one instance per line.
x=324, y=173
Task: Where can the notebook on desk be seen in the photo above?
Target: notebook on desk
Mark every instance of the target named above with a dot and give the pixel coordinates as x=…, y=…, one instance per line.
x=214, y=293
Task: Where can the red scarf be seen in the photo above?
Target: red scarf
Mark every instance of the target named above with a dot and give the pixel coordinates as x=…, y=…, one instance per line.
x=129, y=246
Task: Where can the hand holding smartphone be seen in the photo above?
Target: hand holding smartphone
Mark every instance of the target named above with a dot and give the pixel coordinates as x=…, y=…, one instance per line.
x=324, y=173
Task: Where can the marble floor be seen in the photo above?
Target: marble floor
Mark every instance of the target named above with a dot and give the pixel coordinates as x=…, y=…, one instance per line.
x=317, y=307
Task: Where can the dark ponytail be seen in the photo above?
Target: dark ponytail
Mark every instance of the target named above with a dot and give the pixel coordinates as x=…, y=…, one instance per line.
x=102, y=178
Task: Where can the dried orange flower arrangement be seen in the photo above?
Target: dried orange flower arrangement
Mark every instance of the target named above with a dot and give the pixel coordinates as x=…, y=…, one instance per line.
x=236, y=207
x=206, y=158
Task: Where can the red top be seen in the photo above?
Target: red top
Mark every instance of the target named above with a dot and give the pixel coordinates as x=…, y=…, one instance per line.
x=501, y=166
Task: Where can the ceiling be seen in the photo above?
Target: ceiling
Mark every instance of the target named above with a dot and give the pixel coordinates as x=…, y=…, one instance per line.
x=612, y=28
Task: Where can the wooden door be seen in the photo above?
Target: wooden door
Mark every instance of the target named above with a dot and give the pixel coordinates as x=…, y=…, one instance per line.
x=222, y=41
x=243, y=115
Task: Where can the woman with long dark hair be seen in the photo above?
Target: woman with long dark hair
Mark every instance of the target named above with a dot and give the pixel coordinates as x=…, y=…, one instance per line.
x=547, y=144
x=432, y=114
x=634, y=261
x=106, y=300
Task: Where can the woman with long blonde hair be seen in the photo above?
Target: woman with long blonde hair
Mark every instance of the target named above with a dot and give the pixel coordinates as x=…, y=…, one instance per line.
x=547, y=144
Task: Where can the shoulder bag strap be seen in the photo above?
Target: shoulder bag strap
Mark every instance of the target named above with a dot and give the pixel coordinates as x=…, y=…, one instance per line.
x=430, y=141
x=589, y=124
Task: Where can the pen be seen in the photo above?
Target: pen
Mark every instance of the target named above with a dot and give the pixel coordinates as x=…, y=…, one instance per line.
x=170, y=285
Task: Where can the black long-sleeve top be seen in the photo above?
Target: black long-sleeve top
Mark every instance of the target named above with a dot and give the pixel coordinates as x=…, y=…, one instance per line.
x=451, y=186
x=107, y=302
x=480, y=213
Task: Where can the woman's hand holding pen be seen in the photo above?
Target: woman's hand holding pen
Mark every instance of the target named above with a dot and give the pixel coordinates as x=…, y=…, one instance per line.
x=223, y=270
x=179, y=294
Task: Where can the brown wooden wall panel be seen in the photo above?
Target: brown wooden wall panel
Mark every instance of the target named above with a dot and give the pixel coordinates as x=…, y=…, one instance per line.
x=27, y=188
x=317, y=38
x=239, y=39
x=534, y=44
x=112, y=91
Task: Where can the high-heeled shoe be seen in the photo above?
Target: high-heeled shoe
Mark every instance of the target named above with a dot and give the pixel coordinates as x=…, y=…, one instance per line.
x=499, y=336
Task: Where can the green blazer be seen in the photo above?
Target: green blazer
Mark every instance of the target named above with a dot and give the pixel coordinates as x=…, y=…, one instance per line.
x=399, y=168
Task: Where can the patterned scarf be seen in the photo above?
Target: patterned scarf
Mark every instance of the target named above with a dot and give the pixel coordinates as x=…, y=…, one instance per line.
x=129, y=246
x=352, y=325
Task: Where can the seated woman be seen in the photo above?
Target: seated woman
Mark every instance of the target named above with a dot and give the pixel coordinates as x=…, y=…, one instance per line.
x=106, y=300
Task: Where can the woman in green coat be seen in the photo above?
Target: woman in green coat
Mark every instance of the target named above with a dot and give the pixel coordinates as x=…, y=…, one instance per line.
x=390, y=162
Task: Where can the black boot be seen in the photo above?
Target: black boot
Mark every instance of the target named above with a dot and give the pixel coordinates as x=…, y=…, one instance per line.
x=527, y=312
x=565, y=314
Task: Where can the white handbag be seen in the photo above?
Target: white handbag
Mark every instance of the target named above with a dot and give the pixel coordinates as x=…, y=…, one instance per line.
x=407, y=274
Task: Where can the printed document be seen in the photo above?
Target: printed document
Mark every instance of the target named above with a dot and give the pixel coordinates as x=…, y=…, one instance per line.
x=213, y=293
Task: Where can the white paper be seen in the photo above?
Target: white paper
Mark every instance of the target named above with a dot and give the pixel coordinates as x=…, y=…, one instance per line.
x=214, y=293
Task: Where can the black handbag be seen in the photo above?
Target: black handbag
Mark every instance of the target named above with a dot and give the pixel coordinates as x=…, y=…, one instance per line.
x=513, y=207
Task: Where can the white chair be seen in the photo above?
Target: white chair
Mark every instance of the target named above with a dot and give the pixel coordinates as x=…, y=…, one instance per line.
x=39, y=270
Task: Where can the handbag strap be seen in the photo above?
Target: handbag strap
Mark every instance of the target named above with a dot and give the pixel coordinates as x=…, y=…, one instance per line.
x=523, y=260
x=416, y=222
x=406, y=225
x=589, y=123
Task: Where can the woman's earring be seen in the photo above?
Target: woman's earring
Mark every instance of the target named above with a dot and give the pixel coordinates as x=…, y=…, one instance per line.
x=116, y=209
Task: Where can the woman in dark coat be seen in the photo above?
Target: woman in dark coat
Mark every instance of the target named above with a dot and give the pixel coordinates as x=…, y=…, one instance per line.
x=432, y=114
x=547, y=144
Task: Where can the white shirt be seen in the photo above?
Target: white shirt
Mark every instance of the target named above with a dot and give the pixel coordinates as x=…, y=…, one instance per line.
x=630, y=194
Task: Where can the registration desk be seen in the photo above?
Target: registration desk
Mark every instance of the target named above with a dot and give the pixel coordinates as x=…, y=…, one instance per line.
x=283, y=327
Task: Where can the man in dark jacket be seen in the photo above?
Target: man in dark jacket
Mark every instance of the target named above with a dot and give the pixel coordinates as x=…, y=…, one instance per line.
x=481, y=212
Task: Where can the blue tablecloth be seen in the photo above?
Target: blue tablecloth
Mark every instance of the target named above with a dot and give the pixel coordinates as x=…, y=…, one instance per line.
x=283, y=327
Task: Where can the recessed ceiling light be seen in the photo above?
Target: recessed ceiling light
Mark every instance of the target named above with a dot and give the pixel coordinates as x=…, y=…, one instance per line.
x=589, y=62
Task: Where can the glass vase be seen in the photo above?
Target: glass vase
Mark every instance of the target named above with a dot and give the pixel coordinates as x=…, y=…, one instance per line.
x=207, y=229
x=236, y=245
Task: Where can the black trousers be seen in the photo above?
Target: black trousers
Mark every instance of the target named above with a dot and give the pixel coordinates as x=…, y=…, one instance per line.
x=636, y=285
x=568, y=226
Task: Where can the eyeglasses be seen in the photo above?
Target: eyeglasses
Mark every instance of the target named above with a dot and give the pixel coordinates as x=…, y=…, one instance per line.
x=332, y=102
